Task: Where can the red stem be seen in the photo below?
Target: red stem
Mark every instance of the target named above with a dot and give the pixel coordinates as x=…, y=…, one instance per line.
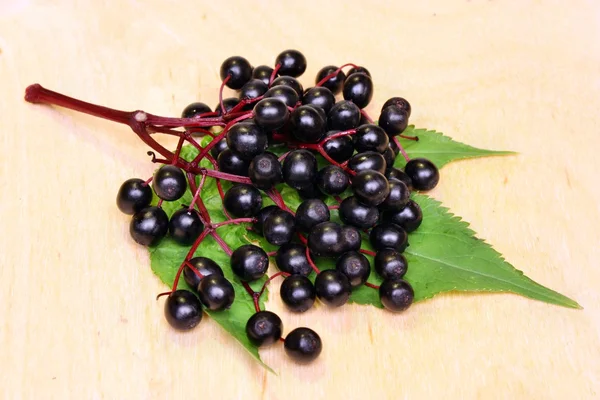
x=371, y=285
x=310, y=261
x=334, y=73
x=264, y=286
x=221, y=242
x=227, y=78
x=401, y=149
x=234, y=221
x=274, y=74
x=368, y=252
x=253, y=294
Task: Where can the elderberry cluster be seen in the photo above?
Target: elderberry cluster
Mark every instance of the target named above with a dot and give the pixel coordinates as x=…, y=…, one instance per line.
x=276, y=132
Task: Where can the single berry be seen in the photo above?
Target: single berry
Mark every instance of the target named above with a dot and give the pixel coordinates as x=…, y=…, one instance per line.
x=292, y=63
x=185, y=226
x=169, y=183
x=311, y=213
x=307, y=124
x=149, y=225
x=358, y=88
x=332, y=180
x=367, y=161
x=218, y=148
x=291, y=258
x=299, y=169
x=319, y=97
x=399, y=102
x=423, y=174
x=325, y=240
x=242, y=200
x=340, y=149
x=355, y=266
x=344, y=115
x=409, y=218
x=271, y=113
x=358, y=70
x=291, y=82
x=370, y=187
x=297, y=293
x=351, y=239
x=265, y=171
x=183, y=310
x=284, y=93
x=205, y=266
x=303, y=345
x=393, y=120
x=216, y=292
x=195, y=109
x=390, y=264
x=247, y=140
x=395, y=173
x=238, y=69
x=249, y=262
x=253, y=89
x=134, y=195
x=232, y=163
x=262, y=72
x=335, y=83
x=387, y=235
x=398, y=197
x=390, y=158
x=333, y=288
x=370, y=137
x=228, y=103
x=261, y=217
x=279, y=227
x=396, y=295
x=353, y=212
x=264, y=328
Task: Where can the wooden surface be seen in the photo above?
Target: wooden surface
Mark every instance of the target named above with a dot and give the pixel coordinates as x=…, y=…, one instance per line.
x=78, y=317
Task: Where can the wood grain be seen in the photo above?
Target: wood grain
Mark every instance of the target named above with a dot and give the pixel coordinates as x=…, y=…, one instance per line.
x=78, y=317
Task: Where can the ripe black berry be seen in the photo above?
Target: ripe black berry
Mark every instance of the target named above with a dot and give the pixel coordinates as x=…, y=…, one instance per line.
x=355, y=266
x=310, y=213
x=247, y=140
x=264, y=328
x=195, y=109
x=242, y=200
x=423, y=174
x=261, y=217
x=367, y=161
x=169, y=183
x=134, y=195
x=271, y=113
x=205, y=266
x=344, y=115
x=299, y=169
x=399, y=102
x=265, y=171
x=228, y=103
x=249, y=262
x=319, y=97
x=291, y=258
x=351, y=239
x=370, y=137
x=284, y=93
x=219, y=147
x=307, y=124
x=398, y=197
x=393, y=120
x=409, y=218
x=239, y=70
x=335, y=83
x=370, y=187
x=390, y=157
x=353, y=212
x=297, y=293
x=325, y=240
x=183, y=310
x=232, y=163
x=262, y=72
x=303, y=345
x=332, y=180
x=339, y=149
x=388, y=235
x=396, y=295
x=185, y=226
x=291, y=82
x=390, y=264
x=253, y=88
x=333, y=288
x=395, y=173
x=358, y=88
x=216, y=292
x=356, y=70
x=293, y=63
x=149, y=225
x=279, y=227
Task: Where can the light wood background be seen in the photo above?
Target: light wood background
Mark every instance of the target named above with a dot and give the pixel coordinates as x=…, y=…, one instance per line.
x=78, y=317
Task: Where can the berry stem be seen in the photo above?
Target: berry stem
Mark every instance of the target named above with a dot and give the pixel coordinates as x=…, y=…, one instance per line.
x=253, y=294
x=188, y=257
x=366, y=116
x=333, y=207
x=197, y=195
x=147, y=182
x=194, y=269
x=264, y=286
x=213, y=173
x=371, y=285
x=310, y=261
x=274, y=74
x=221, y=242
x=368, y=252
x=234, y=221
x=205, y=216
x=415, y=138
x=272, y=253
x=401, y=149
x=334, y=73
x=227, y=78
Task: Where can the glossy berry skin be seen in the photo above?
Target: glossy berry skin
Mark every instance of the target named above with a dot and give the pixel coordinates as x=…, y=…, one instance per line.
x=284, y=93
x=358, y=88
x=351, y=239
x=393, y=120
x=195, y=109
x=353, y=212
x=311, y=213
x=265, y=171
x=344, y=115
x=423, y=174
x=396, y=295
x=307, y=124
x=264, y=328
x=390, y=264
x=335, y=83
x=149, y=225
x=242, y=201
x=398, y=197
x=183, y=310
x=247, y=140
x=134, y=195
x=252, y=89
x=390, y=157
x=299, y=169
x=325, y=240
x=355, y=266
x=219, y=148
x=332, y=180
x=271, y=113
x=249, y=262
x=205, y=266
x=297, y=293
x=231, y=162
x=333, y=288
x=228, y=103
x=291, y=258
x=303, y=345
x=239, y=70
x=339, y=149
x=388, y=236
x=395, y=173
x=262, y=72
x=367, y=161
x=279, y=227
x=185, y=226
x=291, y=82
x=399, y=102
x=361, y=70
x=261, y=217
x=370, y=137
x=370, y=187
x=293, y=63
x=216, y=292
x=409, y=218
x=169, y=183
x=319, y=97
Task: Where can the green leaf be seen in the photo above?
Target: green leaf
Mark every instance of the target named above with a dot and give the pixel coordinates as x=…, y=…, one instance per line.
x=440, y=149
x=444, y=255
